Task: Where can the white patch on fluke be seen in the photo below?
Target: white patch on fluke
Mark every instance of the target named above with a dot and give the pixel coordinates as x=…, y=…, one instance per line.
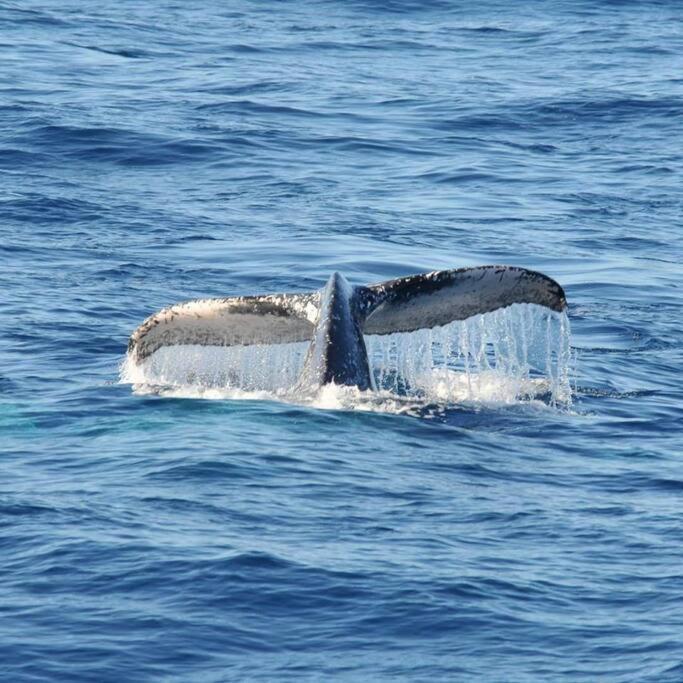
x=233, y=321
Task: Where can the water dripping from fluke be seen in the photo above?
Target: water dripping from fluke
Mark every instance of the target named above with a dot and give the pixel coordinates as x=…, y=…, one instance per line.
x=516, y=355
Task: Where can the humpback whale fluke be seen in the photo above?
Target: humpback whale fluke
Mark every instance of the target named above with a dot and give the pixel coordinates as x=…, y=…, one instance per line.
x=335, y=318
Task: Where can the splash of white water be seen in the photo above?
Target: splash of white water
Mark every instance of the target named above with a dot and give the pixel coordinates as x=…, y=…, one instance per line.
x=501, y=357
x=508, y=356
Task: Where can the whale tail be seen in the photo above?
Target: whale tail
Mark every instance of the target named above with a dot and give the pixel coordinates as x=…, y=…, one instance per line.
x=402, y=305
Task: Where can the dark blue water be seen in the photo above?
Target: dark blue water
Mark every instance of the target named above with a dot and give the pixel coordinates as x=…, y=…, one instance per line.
x=156, y=152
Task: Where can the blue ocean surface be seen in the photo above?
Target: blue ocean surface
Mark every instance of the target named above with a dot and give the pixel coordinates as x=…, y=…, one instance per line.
x=155, y=152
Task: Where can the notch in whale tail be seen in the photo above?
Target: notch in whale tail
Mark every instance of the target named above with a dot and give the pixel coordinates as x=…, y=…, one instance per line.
x=401, y=305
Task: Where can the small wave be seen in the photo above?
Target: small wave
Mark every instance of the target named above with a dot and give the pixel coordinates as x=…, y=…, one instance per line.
x=242, y=48
x=633, y=482
x=486, y=122
x=526, y=115
x=42, y=209
x=258, y=108
x=120, y=146
x=245, y=88
x=31, y=16
x=23, y=510
x=208, y=470
x=463, y=177
x=279, y=110
x=128, y=53
x=483, y=29
x=357, y=144
x=404, y=6
x=21, y=158
x=606, y=109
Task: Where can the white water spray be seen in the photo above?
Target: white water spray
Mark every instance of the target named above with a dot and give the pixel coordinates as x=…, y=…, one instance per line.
x=508, y=356
x=505, y=356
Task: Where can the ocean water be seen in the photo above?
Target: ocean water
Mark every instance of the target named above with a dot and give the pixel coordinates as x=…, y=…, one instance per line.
x=162, y=151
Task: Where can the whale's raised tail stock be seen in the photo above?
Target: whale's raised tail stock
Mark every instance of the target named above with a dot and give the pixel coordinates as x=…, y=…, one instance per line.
x=336, y=318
